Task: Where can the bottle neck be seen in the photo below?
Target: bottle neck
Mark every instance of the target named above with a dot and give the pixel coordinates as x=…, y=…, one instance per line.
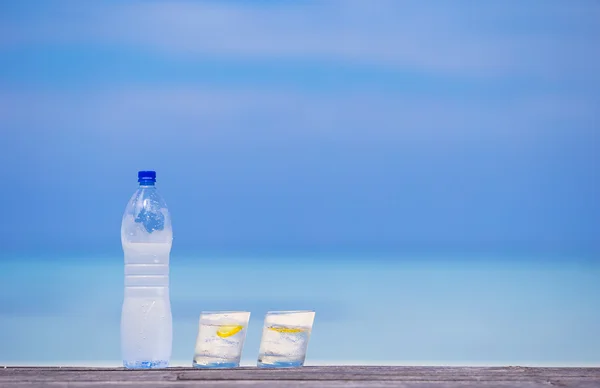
x=146, y=183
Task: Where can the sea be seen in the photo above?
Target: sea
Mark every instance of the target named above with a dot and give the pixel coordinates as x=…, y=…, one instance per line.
x=64, y=309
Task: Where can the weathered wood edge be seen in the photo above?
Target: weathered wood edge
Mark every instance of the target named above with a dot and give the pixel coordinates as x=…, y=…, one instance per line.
x=321, y=373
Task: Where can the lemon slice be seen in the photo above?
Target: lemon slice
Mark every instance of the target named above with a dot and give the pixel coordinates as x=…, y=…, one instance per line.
x=229, y=330
x=283, y=329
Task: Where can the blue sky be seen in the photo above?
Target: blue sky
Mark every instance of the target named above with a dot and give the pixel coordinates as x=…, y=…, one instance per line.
x=316, y=126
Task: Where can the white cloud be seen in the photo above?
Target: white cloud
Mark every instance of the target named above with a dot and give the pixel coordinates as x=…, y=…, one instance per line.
x=362, y=119
x=544, y=38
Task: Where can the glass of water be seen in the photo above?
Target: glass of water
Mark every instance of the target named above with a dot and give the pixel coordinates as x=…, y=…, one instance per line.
x=220, y=340
x=285, y=339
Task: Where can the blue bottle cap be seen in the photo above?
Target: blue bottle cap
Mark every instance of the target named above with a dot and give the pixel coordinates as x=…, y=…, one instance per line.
x=147, y=176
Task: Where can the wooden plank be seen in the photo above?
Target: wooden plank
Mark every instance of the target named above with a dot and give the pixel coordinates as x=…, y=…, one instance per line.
x=298, y=384
x=328, y=376
x=306, y=373
x=388, y=373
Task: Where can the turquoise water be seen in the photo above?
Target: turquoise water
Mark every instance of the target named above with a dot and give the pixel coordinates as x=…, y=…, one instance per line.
x=56, y=310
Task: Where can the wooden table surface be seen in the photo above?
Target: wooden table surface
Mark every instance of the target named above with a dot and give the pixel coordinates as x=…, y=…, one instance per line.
x=321, y=376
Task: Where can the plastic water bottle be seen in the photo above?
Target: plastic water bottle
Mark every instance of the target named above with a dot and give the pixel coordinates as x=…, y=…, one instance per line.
x=146, y=236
